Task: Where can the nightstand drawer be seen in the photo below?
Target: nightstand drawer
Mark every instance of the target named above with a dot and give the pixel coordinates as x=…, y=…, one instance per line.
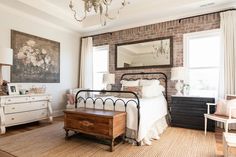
x=188, y=112
x=22, y=107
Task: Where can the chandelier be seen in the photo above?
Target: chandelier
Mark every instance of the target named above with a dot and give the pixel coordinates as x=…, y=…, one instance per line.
x=99, y=6
x=160, y=50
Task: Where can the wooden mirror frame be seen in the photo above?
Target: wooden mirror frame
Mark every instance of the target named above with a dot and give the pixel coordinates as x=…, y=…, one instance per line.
x=145, y=67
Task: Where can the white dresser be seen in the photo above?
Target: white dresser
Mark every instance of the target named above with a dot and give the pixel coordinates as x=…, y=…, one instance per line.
x=20, y=109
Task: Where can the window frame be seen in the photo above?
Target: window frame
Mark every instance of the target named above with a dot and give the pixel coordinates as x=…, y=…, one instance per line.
x=186, y=38
x=101, y=47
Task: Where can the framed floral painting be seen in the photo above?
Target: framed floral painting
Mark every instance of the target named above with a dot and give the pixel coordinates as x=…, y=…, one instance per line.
x=35, y=59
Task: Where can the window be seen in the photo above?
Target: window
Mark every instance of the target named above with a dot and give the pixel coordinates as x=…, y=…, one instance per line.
x=100, y=65
x=202, y=59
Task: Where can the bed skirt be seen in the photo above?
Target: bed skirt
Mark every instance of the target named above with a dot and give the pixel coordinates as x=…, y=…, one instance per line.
x=153, y=133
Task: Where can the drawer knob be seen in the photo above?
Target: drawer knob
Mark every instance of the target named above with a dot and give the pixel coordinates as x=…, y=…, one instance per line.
x=9, y=99
x=13, y=108
x=12, y=118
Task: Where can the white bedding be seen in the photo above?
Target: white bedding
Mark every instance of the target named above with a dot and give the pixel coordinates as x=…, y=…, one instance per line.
x=151, y=110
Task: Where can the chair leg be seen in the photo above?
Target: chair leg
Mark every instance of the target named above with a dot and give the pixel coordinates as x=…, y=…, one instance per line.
x=205, y=129
x=226, y=127
x=225, y=147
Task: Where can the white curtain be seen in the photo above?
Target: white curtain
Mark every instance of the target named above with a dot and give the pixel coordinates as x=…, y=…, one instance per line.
x=86, y=63
x=228, y=26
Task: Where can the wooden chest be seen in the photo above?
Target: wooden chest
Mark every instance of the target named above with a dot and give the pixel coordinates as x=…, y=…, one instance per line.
x=106, y=124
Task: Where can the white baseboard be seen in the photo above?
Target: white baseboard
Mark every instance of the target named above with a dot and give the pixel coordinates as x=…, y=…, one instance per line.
x=57, y=113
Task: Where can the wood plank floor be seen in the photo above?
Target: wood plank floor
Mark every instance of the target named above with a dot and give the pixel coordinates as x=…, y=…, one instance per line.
x=44, y=139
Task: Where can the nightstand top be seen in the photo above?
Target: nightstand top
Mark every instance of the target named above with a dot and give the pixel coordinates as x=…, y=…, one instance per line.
x=192, y=96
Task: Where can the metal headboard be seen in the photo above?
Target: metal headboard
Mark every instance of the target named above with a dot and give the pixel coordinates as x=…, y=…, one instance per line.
x=149, y=76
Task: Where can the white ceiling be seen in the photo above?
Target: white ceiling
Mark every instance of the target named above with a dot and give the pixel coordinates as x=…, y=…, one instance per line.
x=137, y=13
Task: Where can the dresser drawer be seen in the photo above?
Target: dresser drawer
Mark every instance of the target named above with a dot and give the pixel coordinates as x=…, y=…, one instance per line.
x=14, y=100
x=91, y=124
x=23, y=117
x=22, y=107
x=39, y=98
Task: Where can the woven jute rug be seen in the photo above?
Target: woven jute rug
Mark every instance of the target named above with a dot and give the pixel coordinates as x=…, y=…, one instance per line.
x=49, y=141
x=5, y=154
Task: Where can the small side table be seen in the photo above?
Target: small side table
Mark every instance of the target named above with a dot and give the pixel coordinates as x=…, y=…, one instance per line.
x=229, y=140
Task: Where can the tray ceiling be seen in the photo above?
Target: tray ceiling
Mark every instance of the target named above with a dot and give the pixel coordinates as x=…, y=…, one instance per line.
x=138, y=12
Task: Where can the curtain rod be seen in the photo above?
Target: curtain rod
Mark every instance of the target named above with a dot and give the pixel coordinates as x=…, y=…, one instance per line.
x=176, y=19
x=207, y=14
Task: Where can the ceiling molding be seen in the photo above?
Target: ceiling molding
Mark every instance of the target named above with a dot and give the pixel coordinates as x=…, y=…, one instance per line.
x=35, y=19
x=112, y=26
x=139, y=13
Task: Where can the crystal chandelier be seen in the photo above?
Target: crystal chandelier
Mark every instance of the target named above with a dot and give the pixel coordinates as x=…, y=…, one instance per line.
x=99, y=6
x=160, y=50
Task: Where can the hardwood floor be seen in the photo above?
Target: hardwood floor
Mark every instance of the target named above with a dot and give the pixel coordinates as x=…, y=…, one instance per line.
x=27, y=127
x=189, y=137
x=219, y=145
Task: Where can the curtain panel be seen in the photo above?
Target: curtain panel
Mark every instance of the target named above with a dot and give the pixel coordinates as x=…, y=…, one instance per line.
x=228, y=27
x=86, y=63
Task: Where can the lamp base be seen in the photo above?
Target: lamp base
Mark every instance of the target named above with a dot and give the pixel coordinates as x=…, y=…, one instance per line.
x=179, y=87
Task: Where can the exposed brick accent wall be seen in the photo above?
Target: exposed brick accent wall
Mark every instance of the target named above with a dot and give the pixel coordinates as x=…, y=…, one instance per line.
x=164, y=29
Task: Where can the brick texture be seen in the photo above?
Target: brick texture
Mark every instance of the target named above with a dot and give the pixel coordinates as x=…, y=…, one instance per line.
x=173, y=28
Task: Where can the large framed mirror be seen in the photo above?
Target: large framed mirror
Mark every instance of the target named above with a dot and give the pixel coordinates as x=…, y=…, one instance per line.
x=151, y=53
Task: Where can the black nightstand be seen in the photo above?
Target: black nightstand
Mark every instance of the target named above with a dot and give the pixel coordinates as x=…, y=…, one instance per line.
x=188, y=112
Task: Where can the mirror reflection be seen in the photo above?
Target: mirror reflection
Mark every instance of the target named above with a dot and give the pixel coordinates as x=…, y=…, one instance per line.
x=144, y=54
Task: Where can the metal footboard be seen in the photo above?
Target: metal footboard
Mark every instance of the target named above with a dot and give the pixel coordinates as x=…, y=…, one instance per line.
x=95, y=99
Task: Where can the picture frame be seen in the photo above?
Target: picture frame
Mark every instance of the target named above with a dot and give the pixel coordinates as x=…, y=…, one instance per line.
x=35, y=59
x=12, y=89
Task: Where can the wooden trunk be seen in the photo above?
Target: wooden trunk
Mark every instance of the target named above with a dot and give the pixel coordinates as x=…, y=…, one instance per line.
x=106, y=124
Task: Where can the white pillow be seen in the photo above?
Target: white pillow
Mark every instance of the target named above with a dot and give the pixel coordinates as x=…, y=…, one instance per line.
x=129, y=83
x=231, y=103
x=223, y=107
x=149, y=82
x=152, y=91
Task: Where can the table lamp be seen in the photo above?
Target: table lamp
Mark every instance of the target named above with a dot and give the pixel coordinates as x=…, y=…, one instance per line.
x=6, y=59
x=178, y=73
x=108, y=79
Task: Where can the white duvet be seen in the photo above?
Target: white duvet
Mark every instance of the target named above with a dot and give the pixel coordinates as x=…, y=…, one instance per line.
x=151, y=110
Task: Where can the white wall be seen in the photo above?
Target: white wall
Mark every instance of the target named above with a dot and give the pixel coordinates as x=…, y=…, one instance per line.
x=69, y=53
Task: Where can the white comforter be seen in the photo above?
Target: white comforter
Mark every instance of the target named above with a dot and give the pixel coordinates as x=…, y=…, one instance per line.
x=151, y=110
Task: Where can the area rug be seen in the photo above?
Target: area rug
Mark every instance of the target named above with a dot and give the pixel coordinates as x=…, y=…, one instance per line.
x=49, y=141
x=5, y=154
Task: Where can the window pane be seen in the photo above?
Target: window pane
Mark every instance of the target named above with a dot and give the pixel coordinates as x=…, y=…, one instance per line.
x=204, y=82
x=204, y=51
x=100, y=65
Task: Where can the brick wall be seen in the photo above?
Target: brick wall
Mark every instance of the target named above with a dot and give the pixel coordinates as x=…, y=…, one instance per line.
x=174, y=28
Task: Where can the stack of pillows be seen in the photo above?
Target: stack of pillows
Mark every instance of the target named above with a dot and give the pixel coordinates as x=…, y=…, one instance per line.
x=223, y=107
x=143, y=88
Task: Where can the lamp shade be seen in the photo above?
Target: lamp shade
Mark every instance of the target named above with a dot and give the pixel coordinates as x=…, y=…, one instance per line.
x=109, y=78
x=6, y=56
x=178, y=73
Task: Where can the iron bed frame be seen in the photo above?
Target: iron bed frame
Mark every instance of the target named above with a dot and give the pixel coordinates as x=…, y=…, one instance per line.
x=135, y=99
